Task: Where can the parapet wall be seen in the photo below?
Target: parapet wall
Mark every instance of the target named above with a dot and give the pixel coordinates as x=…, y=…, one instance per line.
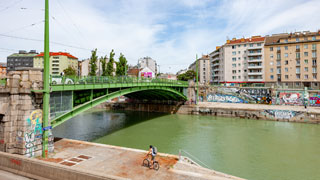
x=21, y=114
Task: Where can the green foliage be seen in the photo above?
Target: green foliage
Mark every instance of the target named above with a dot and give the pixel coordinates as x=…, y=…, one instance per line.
x=70, y=71
x=93, y=63
x=122, y=66
x=103, y=61
x=190, y=74
x=110, y=69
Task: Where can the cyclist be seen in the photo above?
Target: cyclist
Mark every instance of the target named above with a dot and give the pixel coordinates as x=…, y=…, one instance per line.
x=152, y=152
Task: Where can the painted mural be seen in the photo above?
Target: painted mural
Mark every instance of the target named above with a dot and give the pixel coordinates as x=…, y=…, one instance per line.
x=33, y=133
x=282, y=114
x=291, y=98
x=314, y=100
x=224, y=98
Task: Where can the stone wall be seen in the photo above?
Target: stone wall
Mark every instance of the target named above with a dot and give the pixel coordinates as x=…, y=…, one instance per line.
x=21, y=110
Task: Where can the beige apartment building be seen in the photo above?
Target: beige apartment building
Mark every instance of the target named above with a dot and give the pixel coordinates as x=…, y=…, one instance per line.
x=239, y=61
x=59, y=61
x=203, y=69
x=292, y=60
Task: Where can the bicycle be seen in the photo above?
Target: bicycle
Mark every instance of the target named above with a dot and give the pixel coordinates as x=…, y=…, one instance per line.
x=146, y=163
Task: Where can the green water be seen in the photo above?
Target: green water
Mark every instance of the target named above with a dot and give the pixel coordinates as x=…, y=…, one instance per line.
x=249, y=149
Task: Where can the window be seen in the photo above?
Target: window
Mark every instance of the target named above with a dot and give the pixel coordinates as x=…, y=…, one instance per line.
x=286, y=77
x=313, y=38
x=286, y=55
x=239, y=77
x=271, y=77
x=286, y=69
x=271, y=48
x=314, y=54
x=234, y=52
x=306, y=38
x=298, y=62
x=298, y=70
x=306, y=61
x=239, y=71
x=239, y=58
x=297, y=84
x=278, y=48
x=271, y=70
x=286, y=62
x=239, y=64
x=234, y=71
x=298, y=55
x=271, y=56
x=297, y=39
x=259, y=44
x=244, y=51
x=306, y=69
x=314, y=70
x=234, y=59
x=306, y=76
x=298, y=76
x=239, y=52
x=245, y=45
x=305, y=46
x=297, y=46
x=278, y=70
x=314, y=46
x=278, y=63
x=314, y=76
x=233, y=47
x=234, y=65
x=239, y=45
x=55, y=57
x=251, y=45
x=286, y=48
x=314, y=62
x=305, y=54
x=245, y=70
x=245, y=58
x=286, y=40
x=278, y=56
x=234, y=77
x=271, y=63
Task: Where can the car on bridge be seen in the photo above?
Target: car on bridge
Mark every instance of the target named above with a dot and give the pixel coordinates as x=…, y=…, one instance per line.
x=61, y=80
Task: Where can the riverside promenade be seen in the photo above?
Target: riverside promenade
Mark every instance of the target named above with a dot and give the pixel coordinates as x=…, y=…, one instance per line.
x=84, y=160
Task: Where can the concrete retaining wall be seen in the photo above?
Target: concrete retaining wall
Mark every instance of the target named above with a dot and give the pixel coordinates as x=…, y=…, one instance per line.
x=37, y=169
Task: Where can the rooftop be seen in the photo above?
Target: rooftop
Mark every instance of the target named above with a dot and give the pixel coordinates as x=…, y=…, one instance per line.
x=245, y=40
x=58, y=54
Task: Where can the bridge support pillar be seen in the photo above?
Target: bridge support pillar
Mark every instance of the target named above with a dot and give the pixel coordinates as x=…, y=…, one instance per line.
x=21, y=114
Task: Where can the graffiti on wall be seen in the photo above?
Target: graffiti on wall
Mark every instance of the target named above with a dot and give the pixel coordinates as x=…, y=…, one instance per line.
x=291, y=98
x=33, y=133
x=224, y=98
x=314, y=100
x=282, y=114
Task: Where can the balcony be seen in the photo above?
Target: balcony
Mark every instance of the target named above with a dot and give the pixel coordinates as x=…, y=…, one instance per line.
x=255, y=60
x=297, y=50
x=216, y=59
x=255, y=67
x=255, y=54
x=255, y=80
x=254, y=48
x=254, y=73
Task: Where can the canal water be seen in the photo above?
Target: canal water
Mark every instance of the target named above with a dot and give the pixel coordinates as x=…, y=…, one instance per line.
x=245, y=148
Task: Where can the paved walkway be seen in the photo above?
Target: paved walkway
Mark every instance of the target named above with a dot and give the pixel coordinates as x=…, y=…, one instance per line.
x=126, y=162
x=257, y=106
x=4, y=175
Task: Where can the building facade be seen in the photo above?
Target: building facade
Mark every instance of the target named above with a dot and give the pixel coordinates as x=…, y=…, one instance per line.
x=238, y=61
x=204, y=72
x=292, y=60
x=3, y=70
x=22, y=59
x=148, y=62
x=59, y=61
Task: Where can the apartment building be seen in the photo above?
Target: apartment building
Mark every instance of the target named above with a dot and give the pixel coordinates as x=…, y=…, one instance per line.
x=292, y=60
x=21, y=60
x=203, y=69
x=59, y=61
x=148, y=62
x=239, y=61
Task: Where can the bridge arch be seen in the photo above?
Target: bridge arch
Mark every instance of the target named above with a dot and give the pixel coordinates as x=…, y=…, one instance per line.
x=129, y=92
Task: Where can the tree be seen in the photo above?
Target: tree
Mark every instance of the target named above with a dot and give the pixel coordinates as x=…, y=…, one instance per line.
x=93, y=63
x=110, y=69
x=121, y=66
x=103, y=61
x=190, y=74
x=70, y=71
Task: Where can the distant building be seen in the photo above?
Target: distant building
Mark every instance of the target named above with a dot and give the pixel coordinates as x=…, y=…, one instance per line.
x=147, y=73
x=3, y=70
x=133, y=72
x=22, y=59
x=84, y=67
x=59, y=61
x=148, y=62
x=182, y=71
x=168, y=76
x=204, y=72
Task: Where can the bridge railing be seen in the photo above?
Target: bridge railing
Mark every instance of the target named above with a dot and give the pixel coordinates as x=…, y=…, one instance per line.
x=69, y=80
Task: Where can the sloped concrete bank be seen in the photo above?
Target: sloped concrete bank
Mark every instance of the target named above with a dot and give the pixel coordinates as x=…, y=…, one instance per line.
x=255, y=111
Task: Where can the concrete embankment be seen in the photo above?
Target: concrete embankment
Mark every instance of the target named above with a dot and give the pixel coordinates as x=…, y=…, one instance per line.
x=84, y=160
x=255, y=111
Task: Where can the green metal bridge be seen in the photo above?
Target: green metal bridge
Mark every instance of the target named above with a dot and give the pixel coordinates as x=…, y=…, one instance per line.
x=70, y=96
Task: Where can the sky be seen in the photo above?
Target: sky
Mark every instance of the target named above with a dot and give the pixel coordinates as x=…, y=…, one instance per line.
x=172, y=32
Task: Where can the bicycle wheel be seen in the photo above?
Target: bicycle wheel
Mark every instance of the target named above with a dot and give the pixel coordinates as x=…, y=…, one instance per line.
x=156, y=166
x=146, y=163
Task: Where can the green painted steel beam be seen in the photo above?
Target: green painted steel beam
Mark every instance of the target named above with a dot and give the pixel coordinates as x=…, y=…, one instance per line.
x=88, y=105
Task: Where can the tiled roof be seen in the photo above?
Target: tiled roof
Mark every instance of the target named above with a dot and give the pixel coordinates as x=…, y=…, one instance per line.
x=58, y=54
x=243, y=40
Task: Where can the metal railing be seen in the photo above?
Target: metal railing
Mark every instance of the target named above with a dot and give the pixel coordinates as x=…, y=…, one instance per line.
x=70, y=80
x=192, y=158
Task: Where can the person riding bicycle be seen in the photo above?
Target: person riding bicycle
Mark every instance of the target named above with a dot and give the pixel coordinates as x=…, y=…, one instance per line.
x=152, y=152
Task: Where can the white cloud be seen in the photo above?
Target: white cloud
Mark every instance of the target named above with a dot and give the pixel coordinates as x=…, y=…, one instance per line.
x=171, y=32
